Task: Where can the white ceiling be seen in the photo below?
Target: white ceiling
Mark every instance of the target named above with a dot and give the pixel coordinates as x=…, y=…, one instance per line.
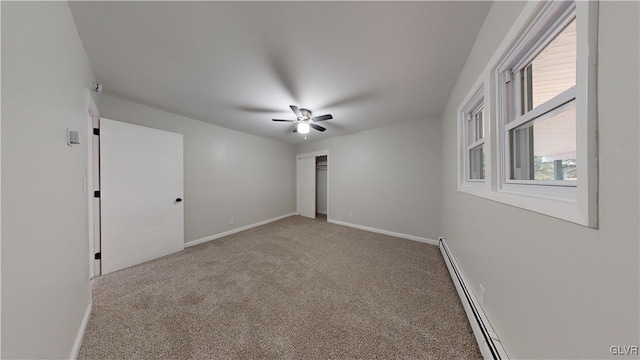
x=240, y=64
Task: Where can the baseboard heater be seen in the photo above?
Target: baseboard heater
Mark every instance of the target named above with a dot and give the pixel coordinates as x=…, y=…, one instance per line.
x=488, y=341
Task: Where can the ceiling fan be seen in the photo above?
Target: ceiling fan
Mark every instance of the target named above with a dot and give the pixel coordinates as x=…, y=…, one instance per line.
x=305, y=121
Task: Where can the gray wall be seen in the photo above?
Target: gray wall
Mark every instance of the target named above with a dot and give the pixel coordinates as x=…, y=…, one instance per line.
x=227, y=174
x=45, y=252
x=555, y=289
x=388, y=177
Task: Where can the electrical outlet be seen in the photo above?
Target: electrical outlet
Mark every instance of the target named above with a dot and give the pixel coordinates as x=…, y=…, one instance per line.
x=350, y=213
x=231, y=221
x=481, y=294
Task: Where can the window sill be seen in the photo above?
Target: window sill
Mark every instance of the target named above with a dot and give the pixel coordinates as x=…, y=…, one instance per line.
x=475, y=182
x=568, y=209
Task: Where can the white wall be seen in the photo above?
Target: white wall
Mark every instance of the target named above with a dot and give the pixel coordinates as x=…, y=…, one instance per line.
x=227, y=174
x=388, y=177
x=555, y=289
x=45, y=252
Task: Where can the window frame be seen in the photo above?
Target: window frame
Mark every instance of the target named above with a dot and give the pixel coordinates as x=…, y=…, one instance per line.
x=550, y=20
x=471, y=132
x=525, y=119
x=570, y=200
x=472, y=104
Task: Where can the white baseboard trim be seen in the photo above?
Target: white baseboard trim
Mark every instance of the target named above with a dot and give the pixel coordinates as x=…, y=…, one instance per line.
x=243, y=228
x=385, y=232
x=322, y=212
x=486, y=337
x=83, y=327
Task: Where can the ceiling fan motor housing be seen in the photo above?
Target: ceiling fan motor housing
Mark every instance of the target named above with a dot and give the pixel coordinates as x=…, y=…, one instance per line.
x=305, y=115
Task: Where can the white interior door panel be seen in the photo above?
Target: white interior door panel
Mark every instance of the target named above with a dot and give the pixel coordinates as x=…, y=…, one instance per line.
x=141, y=191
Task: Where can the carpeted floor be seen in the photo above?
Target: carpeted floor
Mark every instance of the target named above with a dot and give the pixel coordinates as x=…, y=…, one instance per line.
x=291, y=289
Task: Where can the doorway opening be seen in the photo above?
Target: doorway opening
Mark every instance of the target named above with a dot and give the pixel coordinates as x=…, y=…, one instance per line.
x=321, y=187
x=313, y=185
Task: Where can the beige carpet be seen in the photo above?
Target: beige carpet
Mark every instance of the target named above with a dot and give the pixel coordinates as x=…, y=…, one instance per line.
x=296, y=288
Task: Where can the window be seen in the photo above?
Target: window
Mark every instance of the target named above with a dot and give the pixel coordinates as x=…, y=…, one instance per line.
x=540, y=116
x=472, y=116
x=527, y=137
x=544, y=149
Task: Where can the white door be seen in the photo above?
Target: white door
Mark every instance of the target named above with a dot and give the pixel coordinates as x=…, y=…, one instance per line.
x=307, y=187
x=142, y=213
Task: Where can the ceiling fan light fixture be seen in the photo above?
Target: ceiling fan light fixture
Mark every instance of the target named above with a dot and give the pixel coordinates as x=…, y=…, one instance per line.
x=303, y=128
x=304, y=121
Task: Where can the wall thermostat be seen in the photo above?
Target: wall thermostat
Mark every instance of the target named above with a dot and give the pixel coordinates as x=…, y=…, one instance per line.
x=73, y=137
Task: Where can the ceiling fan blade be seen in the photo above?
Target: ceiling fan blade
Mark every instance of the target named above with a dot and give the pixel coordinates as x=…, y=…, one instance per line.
x=296, y=110
x=317, y=127
x=322, y=117
x=283, y=120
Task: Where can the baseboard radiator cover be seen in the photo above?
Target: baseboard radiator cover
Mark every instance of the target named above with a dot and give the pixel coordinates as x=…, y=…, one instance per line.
x=487, y=339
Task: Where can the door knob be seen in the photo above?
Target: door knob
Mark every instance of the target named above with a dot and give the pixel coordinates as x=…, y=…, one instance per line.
x=178, y=200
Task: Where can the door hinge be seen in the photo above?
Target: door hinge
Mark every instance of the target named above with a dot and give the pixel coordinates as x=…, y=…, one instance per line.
x=97, y=256
x=96, y=131
x=96, y=193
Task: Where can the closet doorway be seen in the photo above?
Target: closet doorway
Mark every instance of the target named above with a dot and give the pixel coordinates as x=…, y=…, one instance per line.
x=321, y=187
x=313, y=184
